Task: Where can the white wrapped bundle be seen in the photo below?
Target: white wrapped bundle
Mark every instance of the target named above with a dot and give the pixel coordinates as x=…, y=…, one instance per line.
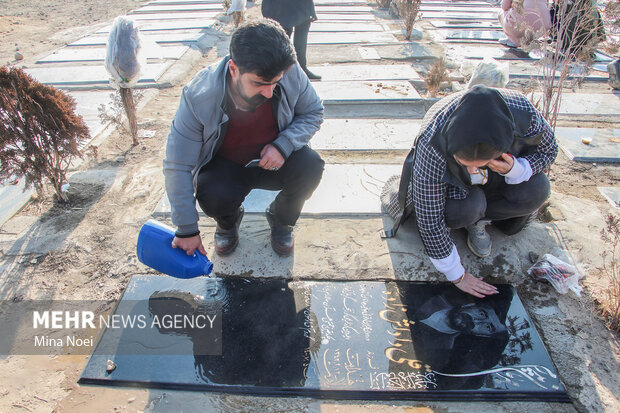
x=124, y=59
x=490, y=73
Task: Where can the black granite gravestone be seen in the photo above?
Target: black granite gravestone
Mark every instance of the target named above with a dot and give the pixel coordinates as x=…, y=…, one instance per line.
x=345, y=340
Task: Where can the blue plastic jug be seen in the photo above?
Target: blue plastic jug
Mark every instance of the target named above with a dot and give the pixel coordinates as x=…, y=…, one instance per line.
x=155, y=250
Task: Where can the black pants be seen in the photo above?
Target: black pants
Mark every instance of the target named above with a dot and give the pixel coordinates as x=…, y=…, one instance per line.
x=508, y=206
x=222, y=186
x=300, y=41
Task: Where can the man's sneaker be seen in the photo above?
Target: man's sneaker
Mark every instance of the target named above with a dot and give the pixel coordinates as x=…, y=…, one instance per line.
x=226, y=240
x=478, y=240
x=282, y=240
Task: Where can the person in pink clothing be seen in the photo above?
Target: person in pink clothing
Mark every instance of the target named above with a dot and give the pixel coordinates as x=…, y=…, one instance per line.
x=524, y=20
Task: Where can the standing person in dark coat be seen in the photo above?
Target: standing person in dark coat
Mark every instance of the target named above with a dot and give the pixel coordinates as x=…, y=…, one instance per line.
x=298, y=15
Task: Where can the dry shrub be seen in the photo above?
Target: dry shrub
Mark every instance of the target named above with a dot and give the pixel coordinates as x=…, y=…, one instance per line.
x=577, y=29
x=117, y=114
x=39, y=131
x=384, y=4
x=408, y=11
x=610, y=305
x=437, y=74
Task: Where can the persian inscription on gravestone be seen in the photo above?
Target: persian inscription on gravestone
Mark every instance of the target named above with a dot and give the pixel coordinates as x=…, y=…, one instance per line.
x=371, y=340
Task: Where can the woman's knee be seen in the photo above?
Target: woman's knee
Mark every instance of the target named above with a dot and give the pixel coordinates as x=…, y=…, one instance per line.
x=460, y=213
x=532, y=194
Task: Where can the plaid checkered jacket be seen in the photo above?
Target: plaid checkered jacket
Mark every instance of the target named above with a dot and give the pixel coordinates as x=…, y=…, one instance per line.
x=428, y=188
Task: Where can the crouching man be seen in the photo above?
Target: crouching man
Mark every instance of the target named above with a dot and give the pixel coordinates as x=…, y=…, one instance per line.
x=244, y=123
x=480, y=158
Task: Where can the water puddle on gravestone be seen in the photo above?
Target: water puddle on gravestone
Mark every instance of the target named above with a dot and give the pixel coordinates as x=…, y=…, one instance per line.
x=326, y=339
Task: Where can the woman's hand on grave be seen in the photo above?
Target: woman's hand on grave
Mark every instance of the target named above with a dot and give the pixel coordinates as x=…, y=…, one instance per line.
x=474, y=286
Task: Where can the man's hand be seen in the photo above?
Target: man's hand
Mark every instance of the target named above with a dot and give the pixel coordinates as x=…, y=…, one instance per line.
x=271, y=158
x=475, y=286
x=189, y=245
x=503, y=164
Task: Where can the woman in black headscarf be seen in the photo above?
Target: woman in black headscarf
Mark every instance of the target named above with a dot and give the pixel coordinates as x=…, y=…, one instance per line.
x=297, y=15
x=480, y=157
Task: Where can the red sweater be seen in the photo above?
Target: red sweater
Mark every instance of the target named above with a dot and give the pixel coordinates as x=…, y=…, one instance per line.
x=248, y=132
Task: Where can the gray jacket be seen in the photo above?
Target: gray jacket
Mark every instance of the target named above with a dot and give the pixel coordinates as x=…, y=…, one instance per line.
x=200, y=126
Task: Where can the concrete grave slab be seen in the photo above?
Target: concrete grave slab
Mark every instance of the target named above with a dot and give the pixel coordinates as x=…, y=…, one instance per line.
x=366, y=72
x=340, y=2
x=171, y=16
x=346, y=189
x=452, y=15
x=12, y=199
x=345, y=17
x=481, y=51
x=496, y=51
x=369, y=53
x=454, y=4
x=87, y=106
x=365, y=134
x=187, y=36
x=164, y=8
x=334, y=53
x=450, y=9
x=612, y=195
x=96, y=54
x=91, y=75
x=345, y=27
x=343, y=9
x=597, y=105
x=366, y=91
x=527, y=71
x=604, y=146
x=177, y=24
x=602, y=57
x=87, y=103
x=351, y=37
x=601, y=67
x=472, y=34
x=184, y=2
x=465, y=25
x=387, y=109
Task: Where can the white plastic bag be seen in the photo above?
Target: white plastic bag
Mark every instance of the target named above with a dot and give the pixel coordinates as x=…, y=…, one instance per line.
x=490, y=73
x=561, y=275
x=124, y=60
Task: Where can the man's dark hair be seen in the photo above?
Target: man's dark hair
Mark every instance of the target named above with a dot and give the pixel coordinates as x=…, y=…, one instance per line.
x=478, y=152
x=262, y=47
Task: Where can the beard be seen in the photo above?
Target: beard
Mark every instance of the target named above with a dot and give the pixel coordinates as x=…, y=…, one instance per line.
x=252, y=101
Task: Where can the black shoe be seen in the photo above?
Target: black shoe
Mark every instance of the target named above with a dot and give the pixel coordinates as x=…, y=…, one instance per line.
x=311, y=75
x=282, y=240
x=226, y=240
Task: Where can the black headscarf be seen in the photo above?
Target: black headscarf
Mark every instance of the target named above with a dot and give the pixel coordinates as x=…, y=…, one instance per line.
x=481, y=116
